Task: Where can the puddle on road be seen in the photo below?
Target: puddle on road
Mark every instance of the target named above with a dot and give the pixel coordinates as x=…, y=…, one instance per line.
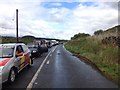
x=58, y=52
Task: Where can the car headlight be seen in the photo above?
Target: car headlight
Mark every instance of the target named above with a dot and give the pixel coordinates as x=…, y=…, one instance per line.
x=34, y=51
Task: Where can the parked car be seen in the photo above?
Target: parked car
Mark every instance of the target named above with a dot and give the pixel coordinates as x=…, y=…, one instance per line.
x=36, y=50
x=42, y=44
x=13, y=58
x=49, y=45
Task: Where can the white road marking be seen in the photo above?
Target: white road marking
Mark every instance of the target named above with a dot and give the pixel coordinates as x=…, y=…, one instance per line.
x=54, y=49
x=67, y=50
x=29, y=87
x=63, y=46
x=36, y=83
x=48, y=62
x=58, y=52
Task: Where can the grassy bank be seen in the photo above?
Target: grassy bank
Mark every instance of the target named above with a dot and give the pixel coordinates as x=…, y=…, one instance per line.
x=105, y=57
x=24, y=39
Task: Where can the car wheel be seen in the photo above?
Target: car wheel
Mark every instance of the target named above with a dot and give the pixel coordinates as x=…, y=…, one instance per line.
x=30, y=62
x=46, y=49
x=37, y=54
x=12, y=76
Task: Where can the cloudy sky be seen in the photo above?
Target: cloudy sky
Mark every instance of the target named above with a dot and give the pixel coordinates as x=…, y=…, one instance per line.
x=56, y=19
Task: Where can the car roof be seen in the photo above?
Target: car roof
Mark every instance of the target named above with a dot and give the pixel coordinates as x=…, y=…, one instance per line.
x=12, y=44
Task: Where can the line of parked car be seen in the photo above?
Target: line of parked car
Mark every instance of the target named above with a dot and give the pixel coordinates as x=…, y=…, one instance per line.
x=38, y=47
x=16, y=56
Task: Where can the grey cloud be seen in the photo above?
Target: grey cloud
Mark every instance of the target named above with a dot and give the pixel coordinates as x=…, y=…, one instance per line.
x=29, y=13
x=113, y=5
x=6, y=26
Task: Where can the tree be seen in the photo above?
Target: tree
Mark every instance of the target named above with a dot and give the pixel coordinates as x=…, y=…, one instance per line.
x=79, y=35
x=98, y=32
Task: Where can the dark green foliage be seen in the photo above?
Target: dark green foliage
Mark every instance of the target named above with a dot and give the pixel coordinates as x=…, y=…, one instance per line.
x=24, y=39
x=7, y=39
x=98, y=32
x=79, y=35
x=27, y=39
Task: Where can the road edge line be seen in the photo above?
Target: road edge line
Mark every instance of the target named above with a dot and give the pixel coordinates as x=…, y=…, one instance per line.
x=30, y=85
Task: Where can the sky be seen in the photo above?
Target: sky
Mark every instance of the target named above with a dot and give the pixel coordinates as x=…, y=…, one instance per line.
x=56, y=19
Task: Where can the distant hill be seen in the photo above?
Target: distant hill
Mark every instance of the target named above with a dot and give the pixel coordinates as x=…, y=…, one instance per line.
x=28, y=36
x=114, y=31
x=24, y=39
x=27, y=39
x=110, y=32
x=8, y=39
x=109, y=36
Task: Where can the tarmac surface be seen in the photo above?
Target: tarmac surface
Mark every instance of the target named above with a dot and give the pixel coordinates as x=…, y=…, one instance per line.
x=60, y=69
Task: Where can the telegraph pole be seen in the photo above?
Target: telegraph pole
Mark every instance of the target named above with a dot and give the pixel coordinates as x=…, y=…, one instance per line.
x=17, y=25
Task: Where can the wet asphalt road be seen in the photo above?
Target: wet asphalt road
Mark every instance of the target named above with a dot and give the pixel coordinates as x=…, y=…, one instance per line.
x=61, y=70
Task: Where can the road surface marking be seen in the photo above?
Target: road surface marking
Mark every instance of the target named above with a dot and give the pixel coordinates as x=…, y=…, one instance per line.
x=48, y=62
x=36, y=83
x=30, y=85
x=54, y=49
x=67, y=50
x=58, y=52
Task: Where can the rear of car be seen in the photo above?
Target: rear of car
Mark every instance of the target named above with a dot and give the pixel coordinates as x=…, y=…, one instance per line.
x=44, y=46
x=13, y=58
x=34, y=51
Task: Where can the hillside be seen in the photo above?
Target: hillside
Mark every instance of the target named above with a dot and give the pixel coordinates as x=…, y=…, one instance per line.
x=100, y=49
x=24, y=39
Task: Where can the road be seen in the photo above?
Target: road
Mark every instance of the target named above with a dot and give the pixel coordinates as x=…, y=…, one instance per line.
x=60, y=69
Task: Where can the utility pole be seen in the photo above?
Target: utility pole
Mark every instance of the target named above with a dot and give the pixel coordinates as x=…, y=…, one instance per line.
x=17, y=25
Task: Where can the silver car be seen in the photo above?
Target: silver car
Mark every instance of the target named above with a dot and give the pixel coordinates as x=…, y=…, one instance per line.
x=13, y=58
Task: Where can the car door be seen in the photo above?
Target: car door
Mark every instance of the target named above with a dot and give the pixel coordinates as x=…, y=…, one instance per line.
x=20, y=57
x=26, y=54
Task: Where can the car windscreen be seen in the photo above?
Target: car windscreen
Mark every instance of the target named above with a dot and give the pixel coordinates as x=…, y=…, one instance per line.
x=32, y=48
x=6, y=52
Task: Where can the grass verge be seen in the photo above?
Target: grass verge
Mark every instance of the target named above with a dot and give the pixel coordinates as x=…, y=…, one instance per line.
x=103, y=57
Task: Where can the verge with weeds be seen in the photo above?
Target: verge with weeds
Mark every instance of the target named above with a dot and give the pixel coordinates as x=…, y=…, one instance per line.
x=105, y=57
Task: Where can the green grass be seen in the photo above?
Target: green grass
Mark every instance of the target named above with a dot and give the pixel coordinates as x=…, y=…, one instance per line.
x=104, y=56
